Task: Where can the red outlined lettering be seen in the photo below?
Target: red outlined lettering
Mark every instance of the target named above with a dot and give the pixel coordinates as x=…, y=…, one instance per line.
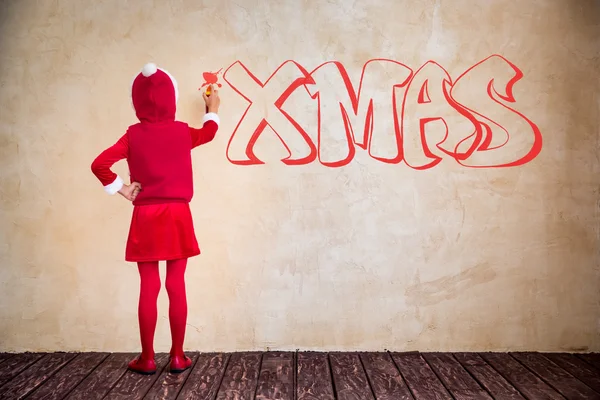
x=421, y=118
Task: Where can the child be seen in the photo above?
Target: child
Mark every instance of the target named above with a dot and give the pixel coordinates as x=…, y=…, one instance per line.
x=158, y=152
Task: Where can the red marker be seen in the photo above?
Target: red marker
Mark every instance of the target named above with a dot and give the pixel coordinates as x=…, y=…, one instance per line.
x=207, y=95
x=210, y=78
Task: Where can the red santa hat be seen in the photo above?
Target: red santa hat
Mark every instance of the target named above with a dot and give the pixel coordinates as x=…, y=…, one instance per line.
x=154, y=94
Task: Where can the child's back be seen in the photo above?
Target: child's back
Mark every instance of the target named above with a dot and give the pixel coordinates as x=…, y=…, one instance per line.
x=160, y=160
x=158, y=148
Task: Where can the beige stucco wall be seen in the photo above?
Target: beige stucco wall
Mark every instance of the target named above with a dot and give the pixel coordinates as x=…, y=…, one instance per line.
x=368, y=256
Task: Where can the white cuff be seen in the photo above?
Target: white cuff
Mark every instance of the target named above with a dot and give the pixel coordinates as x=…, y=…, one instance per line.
x=211, y=117
x=115, y=186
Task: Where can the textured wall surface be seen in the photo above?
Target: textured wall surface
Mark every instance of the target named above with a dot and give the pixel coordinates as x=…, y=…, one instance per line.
x=369, y=255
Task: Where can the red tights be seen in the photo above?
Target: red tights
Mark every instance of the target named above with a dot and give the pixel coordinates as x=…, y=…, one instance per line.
x=147, y=309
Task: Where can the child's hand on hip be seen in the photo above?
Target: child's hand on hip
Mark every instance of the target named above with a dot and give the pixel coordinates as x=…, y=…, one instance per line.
x=130, y=192
x=213, y=101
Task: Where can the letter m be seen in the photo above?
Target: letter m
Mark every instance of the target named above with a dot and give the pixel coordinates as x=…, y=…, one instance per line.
x=367, y=118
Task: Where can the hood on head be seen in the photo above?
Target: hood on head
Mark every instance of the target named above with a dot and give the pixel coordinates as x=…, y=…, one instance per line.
x=154, y=95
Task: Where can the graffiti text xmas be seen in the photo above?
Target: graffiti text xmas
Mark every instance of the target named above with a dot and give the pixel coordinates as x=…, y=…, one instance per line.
x=395, y=114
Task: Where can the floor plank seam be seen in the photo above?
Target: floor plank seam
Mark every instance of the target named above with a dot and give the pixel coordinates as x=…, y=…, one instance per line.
x=116, y=382
x=547, y=381
x=222, y=377
x=188, y=376
x=335, y=396
x=569, y=373
x=41, y=384
x=502, y=375
x=579, y=356
x=260, y=364
x=367, y=376
x=472, y=376
x=157, y=377
x=66, y=396
x=295, y=376
x=402, y=375
x=437, y=375
x=11, y=355
x=511, y=354
x=24, y=368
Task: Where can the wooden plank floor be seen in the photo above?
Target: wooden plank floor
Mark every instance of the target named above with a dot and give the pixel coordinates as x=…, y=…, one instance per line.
x=305, y=376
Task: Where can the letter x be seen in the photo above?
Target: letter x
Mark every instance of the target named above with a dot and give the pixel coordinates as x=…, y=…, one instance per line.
x=265, y=110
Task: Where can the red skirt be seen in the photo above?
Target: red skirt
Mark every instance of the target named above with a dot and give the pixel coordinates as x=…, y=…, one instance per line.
x=161, y=232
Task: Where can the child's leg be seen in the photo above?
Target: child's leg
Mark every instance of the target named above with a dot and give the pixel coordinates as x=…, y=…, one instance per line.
x=147, y=308
x=175, y=284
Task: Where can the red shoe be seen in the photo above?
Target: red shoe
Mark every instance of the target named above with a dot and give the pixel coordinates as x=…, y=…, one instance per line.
x=142, y=366
x=179, y=364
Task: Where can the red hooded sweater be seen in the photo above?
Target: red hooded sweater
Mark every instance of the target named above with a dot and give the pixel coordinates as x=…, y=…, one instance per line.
x=158, y=148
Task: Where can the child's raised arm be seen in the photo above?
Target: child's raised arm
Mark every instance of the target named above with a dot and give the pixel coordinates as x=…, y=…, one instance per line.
x=210, y=122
